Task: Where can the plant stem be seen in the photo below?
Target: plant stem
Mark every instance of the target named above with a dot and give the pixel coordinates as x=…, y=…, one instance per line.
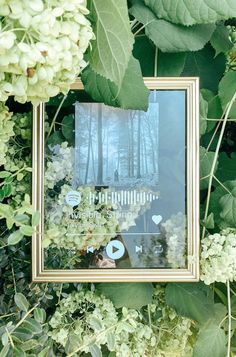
x=229, y=319
x=55, y=117
x=229, y=106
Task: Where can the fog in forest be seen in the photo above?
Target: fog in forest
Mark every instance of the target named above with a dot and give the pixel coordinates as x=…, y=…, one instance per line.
x=116, y=147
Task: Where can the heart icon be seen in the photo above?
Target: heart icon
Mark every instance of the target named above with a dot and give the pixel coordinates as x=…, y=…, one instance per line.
x=157, y=219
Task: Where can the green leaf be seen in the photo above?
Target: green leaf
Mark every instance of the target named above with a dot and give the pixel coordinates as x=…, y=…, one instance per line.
x=15, y=237
x=193, y=300
x=29, y=345
x=20, y=176
x=17, y=352
x=228, y=208
x=72, y=343
x=206, y=161
x=95, y=323
x=27, y=230
x=68, y=128
x=111, y=339
x=21, y=302
x=168, y=64
x=122, y=294
x=112, y=49
x=55, y=138
x=170, y=37
x=190, y=12
x=215, y=205
x=209, y=223
x=211, y=342
x=39, y=315
x=23, y=334
x=205, y=65
x=4, y=174
x=7, y=190
x=32, y=325
x=220, y=311
x=95, y=351
x=227, y=88
x=35, y=219
x=22, y=219
x=133, y=93
x=5, y=350
x=226, y=167
x=220, y=40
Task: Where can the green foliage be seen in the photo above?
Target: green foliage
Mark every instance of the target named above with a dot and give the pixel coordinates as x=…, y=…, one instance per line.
x=190, y=12
x=206, y=161
x=121, y=294
x=103, y=90
x=211, y=342
x=227, y=90
x=189, y=38
x=114, y=41
x=21, y=302
x=170, y=37
x=220, y=39
x=191, y=300
x=205, y=65
x=167, y=64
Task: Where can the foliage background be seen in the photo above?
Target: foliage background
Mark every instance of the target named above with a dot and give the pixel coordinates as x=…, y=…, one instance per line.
x=180, y=38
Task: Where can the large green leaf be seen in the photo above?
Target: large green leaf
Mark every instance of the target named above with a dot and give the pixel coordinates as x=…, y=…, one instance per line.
x=190, y=12
x=205, y=65
x=211, y=342
x=133, y=94
x=216, y=205
x=193, y=300
x=131, y=295
x=228, y=208
x=68, y=126
x=227, y=88
x=206, y=161
x=220, y=39
x=170, y=37
x=168, y=64
x=114, y=40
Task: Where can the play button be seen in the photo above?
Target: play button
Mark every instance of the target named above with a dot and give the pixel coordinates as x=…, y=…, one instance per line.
x=115, y=249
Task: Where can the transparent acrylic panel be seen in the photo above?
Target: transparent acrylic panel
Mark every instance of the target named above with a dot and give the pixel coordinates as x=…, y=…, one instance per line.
x=115, y=184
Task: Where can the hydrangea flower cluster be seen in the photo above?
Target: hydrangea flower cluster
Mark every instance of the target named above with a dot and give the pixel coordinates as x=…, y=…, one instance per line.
x=175, y=234
x=6, y=131
x=176, y=334
x=218, y=257
x=91, y=318
x=59, y=165
x=42, y=45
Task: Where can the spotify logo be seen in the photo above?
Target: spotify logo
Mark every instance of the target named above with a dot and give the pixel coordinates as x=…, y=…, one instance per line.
x=73, y=198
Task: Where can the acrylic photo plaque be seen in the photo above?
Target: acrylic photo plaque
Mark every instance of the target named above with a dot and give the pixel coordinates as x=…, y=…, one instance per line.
x=117, y=189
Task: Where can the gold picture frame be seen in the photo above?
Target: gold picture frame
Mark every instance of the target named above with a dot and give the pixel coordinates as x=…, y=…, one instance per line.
x=191, y=273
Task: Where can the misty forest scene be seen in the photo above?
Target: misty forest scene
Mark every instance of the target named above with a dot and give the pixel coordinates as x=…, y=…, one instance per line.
x=116, y=147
